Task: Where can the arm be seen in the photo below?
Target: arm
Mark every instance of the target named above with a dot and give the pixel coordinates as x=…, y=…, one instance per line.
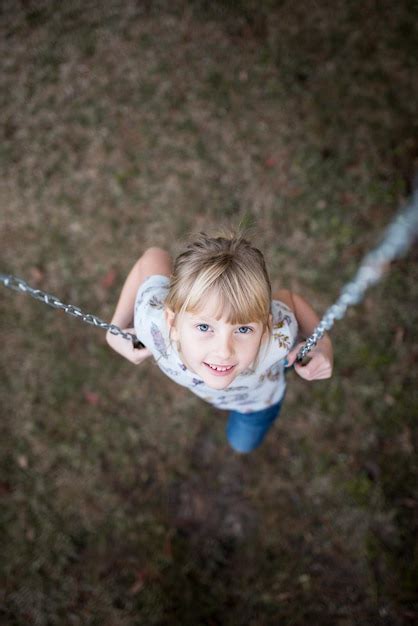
x=153, y=261
x=320, y=365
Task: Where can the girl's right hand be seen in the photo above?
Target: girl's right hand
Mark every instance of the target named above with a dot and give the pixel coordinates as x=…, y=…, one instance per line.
x=125, y=348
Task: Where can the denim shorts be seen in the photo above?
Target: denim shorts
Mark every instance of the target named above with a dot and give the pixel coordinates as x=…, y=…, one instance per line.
x=245, y=431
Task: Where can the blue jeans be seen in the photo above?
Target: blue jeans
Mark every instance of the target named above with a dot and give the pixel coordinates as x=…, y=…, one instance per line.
x=245, y=431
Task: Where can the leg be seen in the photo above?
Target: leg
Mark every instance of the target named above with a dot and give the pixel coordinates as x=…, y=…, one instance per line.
x=246, y=431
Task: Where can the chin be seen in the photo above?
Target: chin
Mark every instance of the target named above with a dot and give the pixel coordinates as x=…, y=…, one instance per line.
x=221, y=384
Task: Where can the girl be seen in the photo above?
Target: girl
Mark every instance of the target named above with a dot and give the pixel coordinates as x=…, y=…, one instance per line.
x=212, y=325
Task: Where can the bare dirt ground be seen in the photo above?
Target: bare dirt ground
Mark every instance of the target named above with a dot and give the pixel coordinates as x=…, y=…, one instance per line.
x=130, y=124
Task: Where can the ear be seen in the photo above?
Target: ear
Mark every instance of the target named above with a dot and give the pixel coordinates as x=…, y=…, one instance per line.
x=170, y=318
x=267, y=329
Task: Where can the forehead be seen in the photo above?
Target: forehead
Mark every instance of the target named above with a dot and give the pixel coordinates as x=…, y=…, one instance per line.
x=212, y=308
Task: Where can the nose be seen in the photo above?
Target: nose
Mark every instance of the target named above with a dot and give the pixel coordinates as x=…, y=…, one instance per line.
x=224, y=349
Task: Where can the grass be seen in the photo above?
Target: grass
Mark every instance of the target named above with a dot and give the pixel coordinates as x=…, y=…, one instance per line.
x=131, y=124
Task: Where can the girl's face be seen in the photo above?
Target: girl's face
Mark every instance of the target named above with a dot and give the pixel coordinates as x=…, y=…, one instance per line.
x=215, y=350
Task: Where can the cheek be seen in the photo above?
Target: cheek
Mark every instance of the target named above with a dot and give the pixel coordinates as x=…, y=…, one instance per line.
x=183, y=336
x=253, y=349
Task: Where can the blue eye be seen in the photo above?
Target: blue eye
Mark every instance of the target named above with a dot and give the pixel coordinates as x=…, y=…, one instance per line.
x=244, y=330
x=203, y=327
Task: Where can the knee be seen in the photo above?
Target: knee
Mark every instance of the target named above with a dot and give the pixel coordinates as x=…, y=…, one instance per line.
x=242, y=443
x=153, y=253
x=155, y=261
x=241, y=450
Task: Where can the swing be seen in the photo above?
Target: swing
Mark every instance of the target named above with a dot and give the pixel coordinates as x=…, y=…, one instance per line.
x=397, y=238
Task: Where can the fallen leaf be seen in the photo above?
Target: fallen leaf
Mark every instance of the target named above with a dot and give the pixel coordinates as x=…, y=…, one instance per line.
x=270, y=161
x=141, y=576
x=22, y=461
x=92, y=398
x=109, y=279
x=5, y=488
x=399, y=335
x=37, y=275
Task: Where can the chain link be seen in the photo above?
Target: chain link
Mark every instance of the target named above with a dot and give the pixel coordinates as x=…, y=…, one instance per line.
x=20, y=285
x=397, y=238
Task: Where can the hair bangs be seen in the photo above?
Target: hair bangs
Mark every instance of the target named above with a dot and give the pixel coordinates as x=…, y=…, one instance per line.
x=237, y=299
x=226, y=274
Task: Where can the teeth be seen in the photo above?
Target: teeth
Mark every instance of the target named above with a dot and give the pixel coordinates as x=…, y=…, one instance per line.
x=220, y=369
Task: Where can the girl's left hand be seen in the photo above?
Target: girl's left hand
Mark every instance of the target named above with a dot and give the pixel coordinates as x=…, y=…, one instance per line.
x=320, y=365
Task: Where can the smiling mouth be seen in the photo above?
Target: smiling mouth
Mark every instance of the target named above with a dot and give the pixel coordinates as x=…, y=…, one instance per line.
x=220, y=369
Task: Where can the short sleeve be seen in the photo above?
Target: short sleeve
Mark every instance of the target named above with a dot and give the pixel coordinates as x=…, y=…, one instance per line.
x=283, y=335
x=149, y=319
x=284, y=322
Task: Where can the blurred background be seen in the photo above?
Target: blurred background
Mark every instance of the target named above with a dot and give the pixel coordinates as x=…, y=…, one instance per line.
x=126, y=124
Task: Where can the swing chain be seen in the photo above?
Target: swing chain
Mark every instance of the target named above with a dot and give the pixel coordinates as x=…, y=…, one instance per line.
x=20, y=285
x=398, y=237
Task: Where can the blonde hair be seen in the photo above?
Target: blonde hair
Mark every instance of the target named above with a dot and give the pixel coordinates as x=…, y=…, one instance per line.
x=228, y=267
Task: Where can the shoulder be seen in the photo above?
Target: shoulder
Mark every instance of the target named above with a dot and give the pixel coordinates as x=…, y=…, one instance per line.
x=285, y=296
x=152, y=292
x=149, y=319
x=154, y=282
x=284, y=323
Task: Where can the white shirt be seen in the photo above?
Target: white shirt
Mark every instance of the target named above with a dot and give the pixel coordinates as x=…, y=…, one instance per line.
x=253, y=389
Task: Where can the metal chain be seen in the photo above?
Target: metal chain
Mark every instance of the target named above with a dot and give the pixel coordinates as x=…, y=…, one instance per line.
x=397, y=238
x=20, y=285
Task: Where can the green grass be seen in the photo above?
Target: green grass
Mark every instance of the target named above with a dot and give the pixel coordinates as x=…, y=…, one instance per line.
x=132, y=124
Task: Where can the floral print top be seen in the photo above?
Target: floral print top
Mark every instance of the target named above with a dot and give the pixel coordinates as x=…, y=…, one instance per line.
x=252, y=390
